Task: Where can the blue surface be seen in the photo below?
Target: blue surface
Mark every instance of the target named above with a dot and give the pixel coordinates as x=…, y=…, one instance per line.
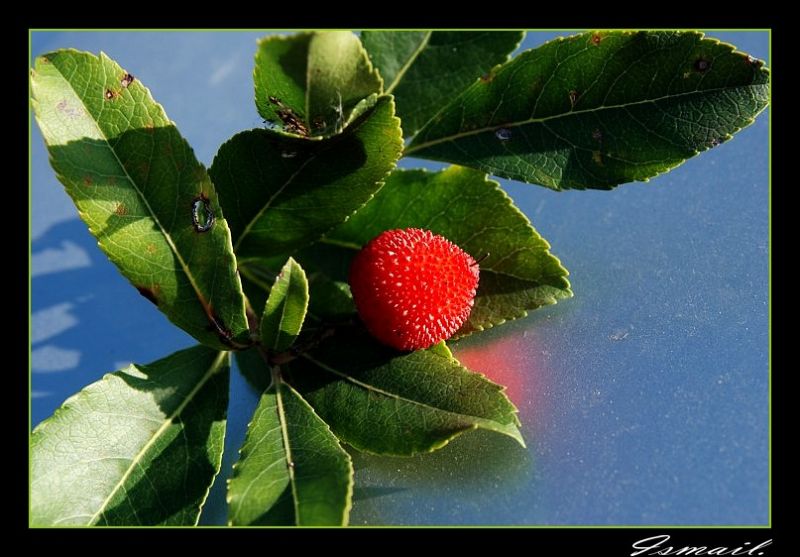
x=644, y=399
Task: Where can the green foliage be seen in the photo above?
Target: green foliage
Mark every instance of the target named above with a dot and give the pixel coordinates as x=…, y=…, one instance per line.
x=518, y=272
x=285, y=309
x=135, y=182
x=139, y=447
x=284, y=193
x=599, y=109
x=143, y=445
x=384, y=402
x=292, y=469
x=317, y=78
x=425, y=69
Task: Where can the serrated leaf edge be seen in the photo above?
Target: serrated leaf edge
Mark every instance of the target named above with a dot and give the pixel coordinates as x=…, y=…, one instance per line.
x=510, y=429
x=491, y=71
x=243, y=453
x=290, y=267
x=43, y=426
x=183, y=265
x=411, y=148
x=398, y=143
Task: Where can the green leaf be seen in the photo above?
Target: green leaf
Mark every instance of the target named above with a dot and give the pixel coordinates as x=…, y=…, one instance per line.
x=137, y=185
x=387, y=402
x=141, y=446
x=330, y=299
x=280, y=72
x=286, y=308
x=282, y=193
x=518, y=273
x=599, y=109
x=425, y=70
x=315, y=79
x=292, y=469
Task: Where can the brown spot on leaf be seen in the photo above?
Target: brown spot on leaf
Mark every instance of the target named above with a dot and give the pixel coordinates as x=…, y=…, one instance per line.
x=151, y=248
x=597, y=38
x=109, y=95
x=702, y=64
x=126, y=80
x=120, y=210
x=223, y=333
x=87, y=180
x=45, y=60
x=291, y=122
x=487, y=77
x=149, y=293
x=597, y=157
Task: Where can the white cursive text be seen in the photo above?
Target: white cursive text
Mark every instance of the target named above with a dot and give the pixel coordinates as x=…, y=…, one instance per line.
x=655, y=546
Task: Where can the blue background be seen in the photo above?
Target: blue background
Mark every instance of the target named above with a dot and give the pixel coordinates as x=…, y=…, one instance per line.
x=644, y=399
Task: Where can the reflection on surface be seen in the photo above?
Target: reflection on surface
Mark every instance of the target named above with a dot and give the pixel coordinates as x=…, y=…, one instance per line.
x=85, y=317
x=474, y=467
x=478, y=468
x=508, y=359
x=54, y=260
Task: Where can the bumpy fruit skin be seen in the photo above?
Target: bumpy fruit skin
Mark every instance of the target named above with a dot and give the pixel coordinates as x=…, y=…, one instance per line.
x=413, y=288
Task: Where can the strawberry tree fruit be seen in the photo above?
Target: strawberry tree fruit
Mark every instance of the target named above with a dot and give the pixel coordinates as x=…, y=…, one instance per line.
x=413, y=288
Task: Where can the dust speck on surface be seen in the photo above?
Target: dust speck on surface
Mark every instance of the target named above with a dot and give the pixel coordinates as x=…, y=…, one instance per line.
x=620, y=334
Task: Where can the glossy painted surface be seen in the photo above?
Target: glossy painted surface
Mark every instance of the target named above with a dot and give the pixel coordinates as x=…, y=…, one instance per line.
x=644, y=399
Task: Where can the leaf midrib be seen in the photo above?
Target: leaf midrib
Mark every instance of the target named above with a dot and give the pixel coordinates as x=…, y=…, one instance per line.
x=167, y=236
x=423, y=44
x=426, y=144
x=215, y=365
x=272, y=198
x=292, y=268
x=286, y=445
x=332, y=141
x=401, y=398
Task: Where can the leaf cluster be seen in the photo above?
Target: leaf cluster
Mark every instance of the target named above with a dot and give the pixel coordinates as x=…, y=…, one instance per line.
x=250, y=256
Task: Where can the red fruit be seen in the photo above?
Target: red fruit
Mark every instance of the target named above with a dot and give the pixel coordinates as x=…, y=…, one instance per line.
x=413, y=288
